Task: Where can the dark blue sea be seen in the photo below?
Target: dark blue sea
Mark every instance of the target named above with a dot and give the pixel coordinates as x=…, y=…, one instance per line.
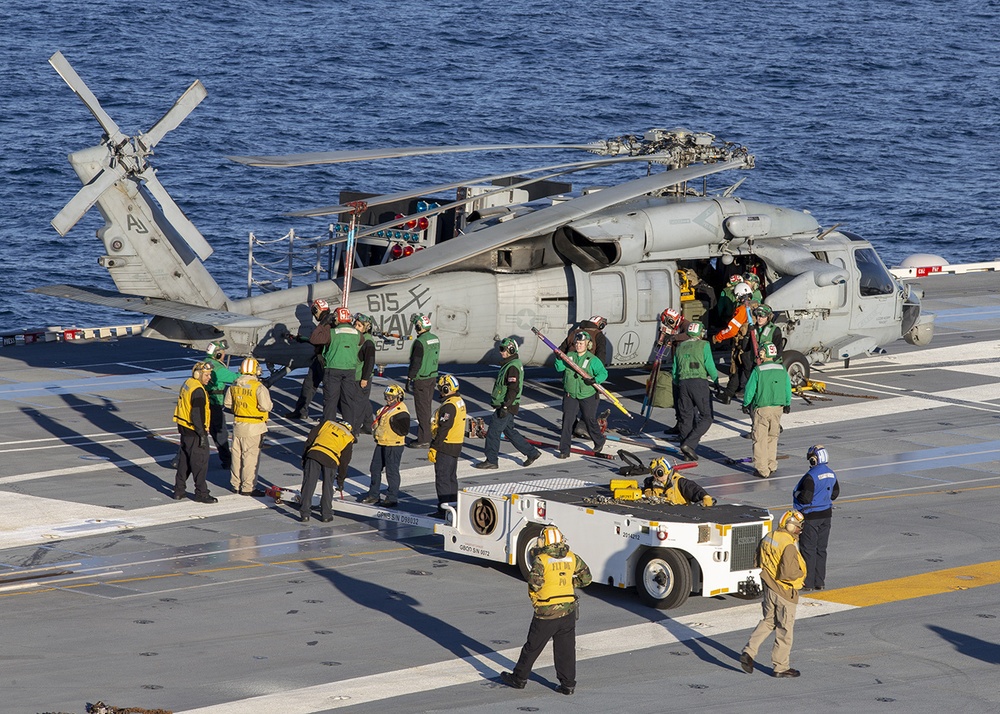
x=883, y=116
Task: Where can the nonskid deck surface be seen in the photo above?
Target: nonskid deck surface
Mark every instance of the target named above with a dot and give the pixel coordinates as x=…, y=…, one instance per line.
x=113, y=591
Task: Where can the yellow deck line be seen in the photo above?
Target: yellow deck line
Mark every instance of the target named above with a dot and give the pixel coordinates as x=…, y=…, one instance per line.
x=914, y=586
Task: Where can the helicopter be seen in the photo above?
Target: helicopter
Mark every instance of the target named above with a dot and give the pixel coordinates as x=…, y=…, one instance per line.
x=516, y=262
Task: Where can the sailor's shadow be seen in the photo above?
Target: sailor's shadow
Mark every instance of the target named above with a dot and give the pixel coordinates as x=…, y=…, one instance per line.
x=406, y=611
x=102, y=414
x=968, y=645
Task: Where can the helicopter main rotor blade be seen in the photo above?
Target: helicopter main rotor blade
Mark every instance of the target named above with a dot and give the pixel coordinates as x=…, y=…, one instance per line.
x=86, y=197
x=416, y=193
x=186, y=104
x=342, y=157
x=61, y=65
x=452, y=252
x=175, y=216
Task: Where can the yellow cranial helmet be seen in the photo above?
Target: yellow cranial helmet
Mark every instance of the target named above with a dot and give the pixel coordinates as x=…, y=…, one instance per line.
x=791, y=518
x=250, y=366
x=660, y=467
x=550, y=535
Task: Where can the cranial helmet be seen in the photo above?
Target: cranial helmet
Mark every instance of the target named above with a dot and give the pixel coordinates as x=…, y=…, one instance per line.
x=599, y=321
x=343, y=316
x=791, y=517
x=752, y=279
x=581, y=336
x=550, y=535
x=670, y=316
x=769, y=351
x=509, y=345
x=817, y=455
x=763, y=311
x=250, y=366
x=660, y=467
x=742, y=290
x=447, y=385
x=695, y=329
x=319, y=306
x=735, y=279
x=200, y=367
x=217, y=348
x=393, y=393
x=421, y=322
x=363, y=319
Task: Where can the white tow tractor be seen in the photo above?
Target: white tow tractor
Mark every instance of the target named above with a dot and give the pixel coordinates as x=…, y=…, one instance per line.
x=667, y=552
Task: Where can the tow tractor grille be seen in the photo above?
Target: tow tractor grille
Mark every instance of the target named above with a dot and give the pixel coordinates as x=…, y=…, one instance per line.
x=744, y=545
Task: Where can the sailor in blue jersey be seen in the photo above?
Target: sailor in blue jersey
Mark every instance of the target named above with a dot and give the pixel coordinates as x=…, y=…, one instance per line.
x=813, y=497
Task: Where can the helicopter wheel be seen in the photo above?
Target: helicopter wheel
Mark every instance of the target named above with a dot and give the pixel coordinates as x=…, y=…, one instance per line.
x=797, y=366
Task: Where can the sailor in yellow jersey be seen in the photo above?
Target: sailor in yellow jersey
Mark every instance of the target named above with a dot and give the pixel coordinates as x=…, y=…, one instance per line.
x=320, y=458
x=192, y=417
x=250, y=402
x=390, y=427
x=555, y=573
x=782, y=571
x=448, y=435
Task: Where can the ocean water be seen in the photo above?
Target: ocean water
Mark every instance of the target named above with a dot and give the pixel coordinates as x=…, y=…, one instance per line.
x=881, y=116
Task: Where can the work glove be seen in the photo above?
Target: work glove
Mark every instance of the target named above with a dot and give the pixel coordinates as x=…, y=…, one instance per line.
x=432, y=455
x=787, y=409
x=708, y=501
x=501, y=412
x=746, y=409
x=715, y=385
x=409, y=386
x=589, y=381
x=203, y=441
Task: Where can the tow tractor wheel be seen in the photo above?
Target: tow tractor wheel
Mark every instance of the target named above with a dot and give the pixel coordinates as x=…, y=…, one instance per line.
x=663, y=578
x=526, y=540
x=797, y=367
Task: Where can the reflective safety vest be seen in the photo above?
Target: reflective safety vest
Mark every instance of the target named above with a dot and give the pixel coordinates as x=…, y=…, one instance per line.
x=824, y=480
x=456, y=432
x=671, y=491
x=342, y=352
x=382, y=431
x=557, y=581
x=500, y=386
x=432, y=350
x=690, y=356
x=331, y=440
x=182, y=414
x=245, y=407
x=771, y=547
x=365, y=337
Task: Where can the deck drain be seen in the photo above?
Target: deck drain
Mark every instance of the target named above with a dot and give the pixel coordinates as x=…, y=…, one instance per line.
x=885, y=699
x=507, y=642
x=148, y=654
x=143, y=622
x=697, y=686
x=861, y=665
x=485, y=612
x=152, y=686
x=678, y=653
x=986, y=617
x=330, y=664
x=417, y=572
x=834, y=634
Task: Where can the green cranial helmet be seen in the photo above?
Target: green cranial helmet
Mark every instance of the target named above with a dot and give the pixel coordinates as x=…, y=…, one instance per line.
x=696, y=330
x=508, y=345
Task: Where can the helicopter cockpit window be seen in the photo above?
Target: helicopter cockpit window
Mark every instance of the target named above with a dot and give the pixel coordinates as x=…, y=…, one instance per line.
x=875, y=279
x=654, y=292
x=607, y=292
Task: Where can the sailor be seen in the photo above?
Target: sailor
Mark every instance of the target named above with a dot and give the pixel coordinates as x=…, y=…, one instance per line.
x=250, y=402
x=192, y=417
x=665, y=482
x=673, y=331
x=743, y=349
x=448, y=435
x=580, y=396
x=727, y=299
x=319, y=338
x=506, y=400
x=320, y=456
x=813, y=497
x=366, y=355
x=555, y=573
x=599, y=346
x=222, y=377
x=768, y=395
x=782, y=572
x=391, y=425
x=693, y=367
x=753, y=281
x=422, y=376
x=765, y=331
x=340, y=361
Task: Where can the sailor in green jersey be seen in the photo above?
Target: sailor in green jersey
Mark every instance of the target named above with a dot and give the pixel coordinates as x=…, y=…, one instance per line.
x=768, y=394
x=693, y=367
x=580, y=396
x=506, y=400
x=422, y=376
x=221, y=378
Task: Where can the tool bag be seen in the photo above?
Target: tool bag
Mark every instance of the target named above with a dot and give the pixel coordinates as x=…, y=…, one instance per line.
x=663, y=392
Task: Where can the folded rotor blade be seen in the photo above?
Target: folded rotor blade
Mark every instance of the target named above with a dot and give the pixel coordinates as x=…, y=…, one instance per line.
x=430, y=190
x=175, y=216
x=340, y=157
x=83, y=200
x=61, y=65
x=176, y=114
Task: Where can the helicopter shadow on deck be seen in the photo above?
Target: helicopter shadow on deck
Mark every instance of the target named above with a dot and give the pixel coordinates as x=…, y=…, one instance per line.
x=405, y=610
x=968, y=645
